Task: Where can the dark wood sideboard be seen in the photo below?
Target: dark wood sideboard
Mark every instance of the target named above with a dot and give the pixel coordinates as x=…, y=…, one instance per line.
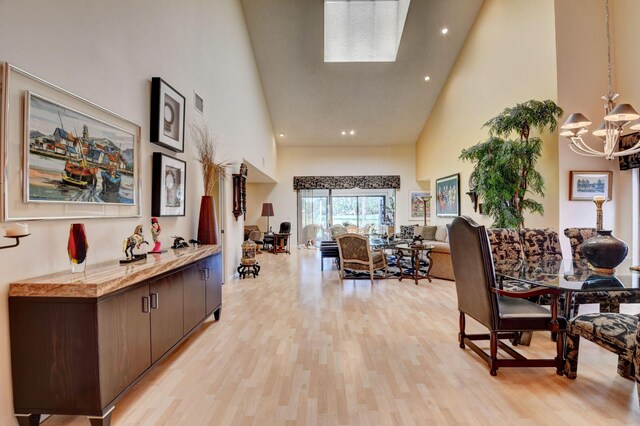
x=78, y=345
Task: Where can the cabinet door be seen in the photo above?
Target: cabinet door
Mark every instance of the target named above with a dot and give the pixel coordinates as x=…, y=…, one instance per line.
x=194, y=296
x=124, y=343
x=214, y=282
x=166, y=300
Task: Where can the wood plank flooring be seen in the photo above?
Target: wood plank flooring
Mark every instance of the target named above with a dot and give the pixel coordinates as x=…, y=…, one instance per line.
x=298, y=346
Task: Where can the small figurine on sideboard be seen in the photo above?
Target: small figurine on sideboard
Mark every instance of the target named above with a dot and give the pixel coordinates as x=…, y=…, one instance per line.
x=135, y=240
x=179, y=242
x=155, y=234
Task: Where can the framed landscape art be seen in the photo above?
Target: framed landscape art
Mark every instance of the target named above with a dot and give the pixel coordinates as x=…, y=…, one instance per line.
x=169, y=185
x=167, y=115
x=64, y=157
x=583, y=186
x=448, y=196
x=416, y=206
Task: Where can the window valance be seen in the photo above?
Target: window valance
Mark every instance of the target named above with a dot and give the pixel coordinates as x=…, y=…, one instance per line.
x=346, y=182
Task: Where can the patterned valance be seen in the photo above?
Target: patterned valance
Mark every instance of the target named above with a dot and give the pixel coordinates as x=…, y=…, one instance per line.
x=346, y=182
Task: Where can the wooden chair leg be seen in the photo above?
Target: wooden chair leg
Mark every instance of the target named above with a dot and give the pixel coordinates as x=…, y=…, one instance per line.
x=625, y=368
x=560, y=353
x=493, y=347
x=462, y=327
x=371, y=275
x=571, y=361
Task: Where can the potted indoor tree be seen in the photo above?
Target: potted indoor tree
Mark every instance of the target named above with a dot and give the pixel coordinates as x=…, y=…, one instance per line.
x=504, y=171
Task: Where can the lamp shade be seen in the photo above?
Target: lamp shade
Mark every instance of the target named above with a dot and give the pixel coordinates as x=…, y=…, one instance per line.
x=635, y=125
x=267, y=209
x=622, y=112
x=575, y=121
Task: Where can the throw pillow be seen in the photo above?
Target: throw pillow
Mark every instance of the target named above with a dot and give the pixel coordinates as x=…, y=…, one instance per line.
x=407, y=231
x=441, y=233
x=429, y=233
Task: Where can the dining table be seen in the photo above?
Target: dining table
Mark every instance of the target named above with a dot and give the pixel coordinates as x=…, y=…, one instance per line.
x=569, y=276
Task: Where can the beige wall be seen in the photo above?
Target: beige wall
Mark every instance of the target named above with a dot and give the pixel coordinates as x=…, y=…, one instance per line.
x=107, y=52
x=335, y=161
x=582, y=80
x=509, y=57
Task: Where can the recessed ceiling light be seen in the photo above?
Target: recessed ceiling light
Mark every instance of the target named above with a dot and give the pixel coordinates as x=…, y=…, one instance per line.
x=444, y=30
x=282, y=135
x=353, y=132
x=344, y=133
x=427, y=78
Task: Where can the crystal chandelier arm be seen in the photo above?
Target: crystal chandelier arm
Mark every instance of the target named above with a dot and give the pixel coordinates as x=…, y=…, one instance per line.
x=634, y=149
x=580, y=144
x=581, y=152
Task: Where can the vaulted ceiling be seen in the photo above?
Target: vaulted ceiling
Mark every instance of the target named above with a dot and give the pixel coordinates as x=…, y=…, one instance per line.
x=385, y=103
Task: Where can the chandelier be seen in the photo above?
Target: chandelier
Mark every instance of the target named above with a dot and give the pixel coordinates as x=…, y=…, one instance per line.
x=615, y=119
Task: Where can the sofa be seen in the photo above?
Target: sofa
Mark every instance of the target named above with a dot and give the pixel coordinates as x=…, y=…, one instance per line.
x=438, y=237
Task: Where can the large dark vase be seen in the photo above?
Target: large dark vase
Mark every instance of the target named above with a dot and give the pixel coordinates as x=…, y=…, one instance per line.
x=604, y=251
x=208, y=223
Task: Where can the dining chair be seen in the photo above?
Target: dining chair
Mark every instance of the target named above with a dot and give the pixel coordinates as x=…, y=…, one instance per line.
x=355, y=254
x=540, y=244
x=616, y=332
x=608, y=301
x=505, y=313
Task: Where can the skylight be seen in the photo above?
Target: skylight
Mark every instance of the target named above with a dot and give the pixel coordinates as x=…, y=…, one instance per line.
x=363, y=30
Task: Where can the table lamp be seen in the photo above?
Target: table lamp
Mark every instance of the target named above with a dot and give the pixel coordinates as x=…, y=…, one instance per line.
x=267, y=210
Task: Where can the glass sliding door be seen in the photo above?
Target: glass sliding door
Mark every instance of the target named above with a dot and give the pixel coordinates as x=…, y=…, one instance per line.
x=313, y=209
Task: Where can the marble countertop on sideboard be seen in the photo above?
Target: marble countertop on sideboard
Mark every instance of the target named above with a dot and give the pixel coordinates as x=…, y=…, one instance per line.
x=107, y=277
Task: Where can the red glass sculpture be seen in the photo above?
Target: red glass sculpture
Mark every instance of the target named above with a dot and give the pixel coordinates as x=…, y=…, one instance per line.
x=77, y=247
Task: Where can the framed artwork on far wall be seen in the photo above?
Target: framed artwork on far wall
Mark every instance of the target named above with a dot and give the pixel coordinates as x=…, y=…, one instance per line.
x=167, y=115
x=416, y=205
x=169, y=178
x=583, y=186
x=448, y=196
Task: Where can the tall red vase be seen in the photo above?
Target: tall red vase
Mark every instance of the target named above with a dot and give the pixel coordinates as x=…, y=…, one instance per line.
x=208, y=223
x=77, y=247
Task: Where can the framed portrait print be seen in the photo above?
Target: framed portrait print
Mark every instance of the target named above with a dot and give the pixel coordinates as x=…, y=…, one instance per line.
x=583, y=186
x=169, y=183
x=448, y=196
x=64, y=157
x=167, y=116
x=416, y=205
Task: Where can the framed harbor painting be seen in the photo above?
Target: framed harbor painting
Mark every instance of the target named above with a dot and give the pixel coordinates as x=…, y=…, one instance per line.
x=448, y=196
x=583, y=186
x=416, y=205
x=167, y=115
x=64, y=157
x=168, y=186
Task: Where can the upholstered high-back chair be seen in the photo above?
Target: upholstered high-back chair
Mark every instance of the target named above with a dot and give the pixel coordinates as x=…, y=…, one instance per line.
x=540, y=244
x=337, y=230
x=576, y=237
x=505, y=244
x=309, y=233
x=504, y=313
x=356, y=255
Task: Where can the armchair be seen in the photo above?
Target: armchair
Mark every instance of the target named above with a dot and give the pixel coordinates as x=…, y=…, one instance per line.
x=618, y=333
x=355, y=254
x=504, y=313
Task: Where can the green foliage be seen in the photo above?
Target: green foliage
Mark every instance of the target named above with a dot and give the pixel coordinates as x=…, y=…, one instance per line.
x=504, y=169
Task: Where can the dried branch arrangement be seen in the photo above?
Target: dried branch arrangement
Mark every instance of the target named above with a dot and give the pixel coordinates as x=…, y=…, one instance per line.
x=206, y=146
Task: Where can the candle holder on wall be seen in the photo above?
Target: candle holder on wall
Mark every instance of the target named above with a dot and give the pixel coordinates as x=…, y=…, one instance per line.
x=17, y=243
x=240, y=192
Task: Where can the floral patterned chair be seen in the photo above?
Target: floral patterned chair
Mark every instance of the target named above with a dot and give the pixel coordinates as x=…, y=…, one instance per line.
x=540, y=244
x=608, y=301
x=356, y=255
x=618, y=333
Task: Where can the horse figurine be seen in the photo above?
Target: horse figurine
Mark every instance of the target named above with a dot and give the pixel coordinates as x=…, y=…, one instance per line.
x=135, y=240
x=178, y=242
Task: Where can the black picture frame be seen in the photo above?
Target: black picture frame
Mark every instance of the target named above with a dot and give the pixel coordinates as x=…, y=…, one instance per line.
x=167, y=126
x=168, y=200
x=447, y=196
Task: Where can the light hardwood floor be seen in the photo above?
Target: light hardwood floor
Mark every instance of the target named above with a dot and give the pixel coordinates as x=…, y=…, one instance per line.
x=297, y=346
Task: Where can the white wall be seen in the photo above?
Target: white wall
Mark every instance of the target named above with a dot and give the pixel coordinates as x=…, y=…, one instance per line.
x=338, y=161
x=107, y=52
x=508, y=58
x=582, y=80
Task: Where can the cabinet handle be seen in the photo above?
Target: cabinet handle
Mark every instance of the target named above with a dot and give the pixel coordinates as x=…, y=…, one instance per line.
x=145, y=304
x=207, y=273
x=203, y=274
x=154, y=300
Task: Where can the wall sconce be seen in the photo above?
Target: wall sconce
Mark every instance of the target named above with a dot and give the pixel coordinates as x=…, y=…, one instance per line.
x=474, y=200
